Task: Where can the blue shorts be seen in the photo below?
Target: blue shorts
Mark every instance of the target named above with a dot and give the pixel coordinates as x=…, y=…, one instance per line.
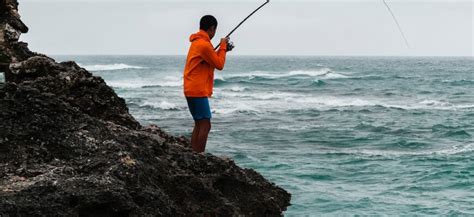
x=199, y=108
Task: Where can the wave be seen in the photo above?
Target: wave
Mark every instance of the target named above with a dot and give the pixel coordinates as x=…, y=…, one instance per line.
x=110, y=67
x=433, y=103
x=238, y=89
x=260, y=95
x=168, y=81
x=324, y=73
x=459, y=82
x=238, y=109
x=318, y=82
x=220, y=81
x=451, y=131
x=452, y=150
x=356, y=102
x=227, y=107
x=163, y=105
x=321, y=72
x=284, y=101
x=458, y=134
x=133, y=84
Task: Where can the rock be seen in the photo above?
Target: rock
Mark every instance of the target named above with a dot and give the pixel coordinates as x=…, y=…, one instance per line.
x=11, y=28
x=69, y=147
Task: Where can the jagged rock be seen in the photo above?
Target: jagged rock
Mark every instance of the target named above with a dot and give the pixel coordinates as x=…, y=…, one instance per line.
x=11, y=28
x=57, y=160
x=69, y=147
x=11, y=18
x=74, y=85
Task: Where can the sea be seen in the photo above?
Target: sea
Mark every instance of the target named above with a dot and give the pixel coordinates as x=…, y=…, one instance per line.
x=344, y=135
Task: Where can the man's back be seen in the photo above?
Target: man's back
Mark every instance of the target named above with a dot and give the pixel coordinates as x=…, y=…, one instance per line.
x=201, y=62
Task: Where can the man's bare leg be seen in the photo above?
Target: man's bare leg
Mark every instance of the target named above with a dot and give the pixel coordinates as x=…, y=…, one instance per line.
x=195, y=136
x=204, y=127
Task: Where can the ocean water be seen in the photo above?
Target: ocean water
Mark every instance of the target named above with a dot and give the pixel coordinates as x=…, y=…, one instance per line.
x=345, y=135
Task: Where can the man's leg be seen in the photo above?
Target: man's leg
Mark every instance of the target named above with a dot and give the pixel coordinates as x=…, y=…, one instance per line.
x=203, y=129
x=195, y=136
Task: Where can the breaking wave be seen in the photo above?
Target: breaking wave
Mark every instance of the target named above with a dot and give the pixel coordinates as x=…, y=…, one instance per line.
x=324, y=73
x=110, y=67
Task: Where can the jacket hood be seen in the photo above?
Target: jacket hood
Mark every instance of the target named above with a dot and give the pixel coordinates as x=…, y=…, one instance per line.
x=199, y=35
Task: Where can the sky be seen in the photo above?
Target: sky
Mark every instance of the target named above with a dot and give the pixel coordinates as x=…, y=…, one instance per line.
x=284, y=27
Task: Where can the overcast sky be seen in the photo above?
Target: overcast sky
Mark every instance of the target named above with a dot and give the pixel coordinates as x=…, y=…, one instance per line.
x=285, y=27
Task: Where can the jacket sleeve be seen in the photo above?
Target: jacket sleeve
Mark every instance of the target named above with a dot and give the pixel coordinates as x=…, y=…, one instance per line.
x=215, y=59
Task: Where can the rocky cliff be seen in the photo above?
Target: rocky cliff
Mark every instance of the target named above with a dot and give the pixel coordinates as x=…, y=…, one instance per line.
x=69, y=147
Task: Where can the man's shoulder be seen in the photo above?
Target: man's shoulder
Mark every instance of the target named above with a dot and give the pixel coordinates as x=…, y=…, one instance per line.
x=201, y=43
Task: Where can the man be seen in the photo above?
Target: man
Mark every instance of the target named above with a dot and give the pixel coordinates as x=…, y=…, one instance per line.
x=198, y=76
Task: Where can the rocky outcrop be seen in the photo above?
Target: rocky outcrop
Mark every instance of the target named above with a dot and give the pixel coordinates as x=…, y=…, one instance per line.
x=69, y=147
x=11, y=27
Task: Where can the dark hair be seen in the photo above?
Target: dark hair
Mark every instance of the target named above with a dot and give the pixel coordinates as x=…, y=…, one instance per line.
x=207, y=22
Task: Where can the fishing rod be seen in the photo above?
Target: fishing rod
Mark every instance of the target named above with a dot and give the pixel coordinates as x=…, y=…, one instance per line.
x=243, y=21
x=398, y=24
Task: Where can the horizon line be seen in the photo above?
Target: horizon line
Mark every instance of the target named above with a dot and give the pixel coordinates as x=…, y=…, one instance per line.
x=269, y=55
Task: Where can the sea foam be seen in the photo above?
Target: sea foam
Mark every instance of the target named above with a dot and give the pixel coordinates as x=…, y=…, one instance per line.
x=163, y=105
x=110, y=67
x=152, y=82
x=324, y=73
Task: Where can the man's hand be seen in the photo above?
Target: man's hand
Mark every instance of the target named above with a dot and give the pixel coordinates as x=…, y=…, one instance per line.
x=225, y=40
x=230, y=45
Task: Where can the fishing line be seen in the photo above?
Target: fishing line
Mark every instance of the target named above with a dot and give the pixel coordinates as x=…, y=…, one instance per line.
x=243, y=21
x=398, y=24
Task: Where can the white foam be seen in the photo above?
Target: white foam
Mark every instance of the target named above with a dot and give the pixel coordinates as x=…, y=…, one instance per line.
x=252, y=75
x=438, y=105
x=126, y=84
x=335, y=76
x=170, y=84
x=320, y=72
x=259, y=95
x=456, y=150
x=238, y=89
x=168, y=81
x=133, y=84
x=282, y=101
x=110, y=67
x=164, y=105
x=234, y=108
x=324, y=73
x=433, y=103
x=331, y=101
x=452, y=150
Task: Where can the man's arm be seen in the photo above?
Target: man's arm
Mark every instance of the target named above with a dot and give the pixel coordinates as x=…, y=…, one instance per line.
x=215, y=59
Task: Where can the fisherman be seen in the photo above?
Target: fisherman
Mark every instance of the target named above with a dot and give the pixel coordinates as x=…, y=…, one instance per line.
x=198, y=76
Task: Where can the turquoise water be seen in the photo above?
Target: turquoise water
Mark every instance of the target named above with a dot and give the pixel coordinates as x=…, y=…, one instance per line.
x=345, y=135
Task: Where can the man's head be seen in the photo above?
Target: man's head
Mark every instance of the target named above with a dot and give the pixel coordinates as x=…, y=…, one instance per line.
x=209, y=24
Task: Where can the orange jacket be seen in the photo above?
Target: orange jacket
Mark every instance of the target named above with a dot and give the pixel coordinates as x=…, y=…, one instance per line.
x=200, y=65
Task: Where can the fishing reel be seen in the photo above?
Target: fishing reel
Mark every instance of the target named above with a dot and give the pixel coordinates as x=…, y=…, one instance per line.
x=230, y=46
